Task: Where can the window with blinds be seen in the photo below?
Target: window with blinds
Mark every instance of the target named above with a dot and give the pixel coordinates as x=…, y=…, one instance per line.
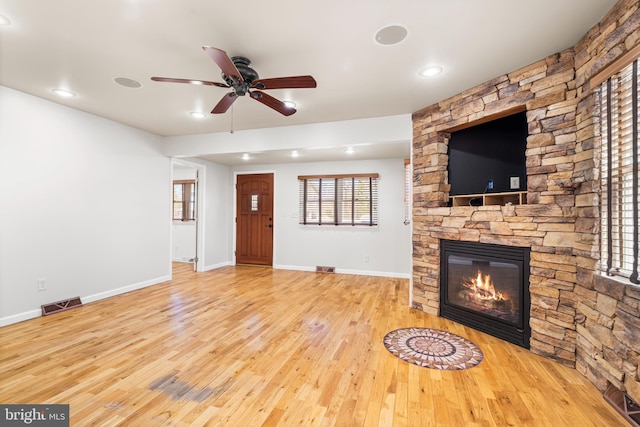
x=338, y=199
x=618, y=105
x=184, y=200
x=408, y=181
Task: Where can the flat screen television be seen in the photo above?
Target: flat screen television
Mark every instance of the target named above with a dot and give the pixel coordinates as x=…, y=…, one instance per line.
x=489, y=157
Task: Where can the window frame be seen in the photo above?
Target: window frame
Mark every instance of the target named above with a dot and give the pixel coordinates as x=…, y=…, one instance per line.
x=188, y=202
x=618, y=107
x=408, y=184
x=342, y=199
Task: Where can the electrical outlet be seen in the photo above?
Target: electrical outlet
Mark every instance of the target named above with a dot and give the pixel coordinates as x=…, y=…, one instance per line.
x=41, y=284
x=514, y=182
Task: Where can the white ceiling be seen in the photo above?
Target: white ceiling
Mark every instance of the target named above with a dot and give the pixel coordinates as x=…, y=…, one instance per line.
x=83, y=45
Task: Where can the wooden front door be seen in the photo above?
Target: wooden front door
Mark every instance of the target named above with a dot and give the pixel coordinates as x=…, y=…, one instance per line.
x=254, y=221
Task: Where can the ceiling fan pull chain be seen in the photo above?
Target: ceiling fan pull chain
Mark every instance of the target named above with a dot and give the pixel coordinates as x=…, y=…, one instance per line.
x=231, y=130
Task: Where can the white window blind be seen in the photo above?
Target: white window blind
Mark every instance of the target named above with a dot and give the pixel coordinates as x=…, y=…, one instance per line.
x=338, y=199
x=618, y=104
x=408, y=181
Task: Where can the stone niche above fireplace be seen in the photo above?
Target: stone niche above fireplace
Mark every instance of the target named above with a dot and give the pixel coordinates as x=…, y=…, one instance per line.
x=488, y=158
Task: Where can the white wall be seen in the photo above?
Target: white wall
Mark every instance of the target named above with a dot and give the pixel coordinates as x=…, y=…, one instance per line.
x=85, y=205
x=216, y=214
x=384, y=250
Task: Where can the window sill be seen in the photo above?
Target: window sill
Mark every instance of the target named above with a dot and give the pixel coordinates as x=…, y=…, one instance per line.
x=340, y=227
x=617, y=279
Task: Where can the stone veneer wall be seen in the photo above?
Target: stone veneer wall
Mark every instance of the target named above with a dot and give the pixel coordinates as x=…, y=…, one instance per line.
x=578, y=317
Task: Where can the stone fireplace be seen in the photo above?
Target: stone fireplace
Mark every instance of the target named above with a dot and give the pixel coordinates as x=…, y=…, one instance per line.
x=578, y=317
x=545, y=224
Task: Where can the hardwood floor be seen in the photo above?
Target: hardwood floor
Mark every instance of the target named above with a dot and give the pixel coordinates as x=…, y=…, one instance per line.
x=252, y=346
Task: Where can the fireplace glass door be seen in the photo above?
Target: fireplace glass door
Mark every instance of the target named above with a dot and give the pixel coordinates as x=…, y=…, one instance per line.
x=486, y=287
x=491, y=288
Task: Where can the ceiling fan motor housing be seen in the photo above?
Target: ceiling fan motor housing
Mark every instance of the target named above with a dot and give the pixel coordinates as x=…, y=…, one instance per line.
x=249, y=75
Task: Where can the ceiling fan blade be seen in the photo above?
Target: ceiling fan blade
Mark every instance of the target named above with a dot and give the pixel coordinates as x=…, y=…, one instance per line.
x=272, y=102
x=294, y=82
x=190, y=81
x=224, y=62
x=223, y=105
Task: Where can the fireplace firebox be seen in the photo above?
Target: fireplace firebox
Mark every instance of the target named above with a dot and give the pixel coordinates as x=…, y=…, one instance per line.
x=486, y=287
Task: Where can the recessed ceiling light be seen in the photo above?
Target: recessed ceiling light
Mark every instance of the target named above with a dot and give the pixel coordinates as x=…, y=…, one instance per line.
x=245, y=156
x=198, y=115
x=391, y=34
x=127, y=82
x=431, y=71
x=295, y=153
x=64, y=93
x=4, y=21
x=290, y=104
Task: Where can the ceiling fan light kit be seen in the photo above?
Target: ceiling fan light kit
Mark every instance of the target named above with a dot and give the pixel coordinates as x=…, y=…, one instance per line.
x=242, y=80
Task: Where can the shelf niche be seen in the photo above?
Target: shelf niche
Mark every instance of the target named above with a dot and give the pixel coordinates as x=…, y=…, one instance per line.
x=487, y=162
x=489, y=199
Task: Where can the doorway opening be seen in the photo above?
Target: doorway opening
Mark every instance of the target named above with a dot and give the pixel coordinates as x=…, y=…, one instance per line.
x=187, y=190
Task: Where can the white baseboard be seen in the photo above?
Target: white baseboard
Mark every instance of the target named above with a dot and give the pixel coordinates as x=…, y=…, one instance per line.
x=346, y=271
x=182, y=259
x=31, y=314
x=15, y=318
x=293, y=267
x=218, y=265
x=113, y=292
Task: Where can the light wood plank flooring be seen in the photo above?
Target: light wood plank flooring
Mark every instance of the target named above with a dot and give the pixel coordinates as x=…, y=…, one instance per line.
x=252, y=346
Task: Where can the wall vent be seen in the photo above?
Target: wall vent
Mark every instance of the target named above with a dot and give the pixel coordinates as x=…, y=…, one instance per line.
x=324, y=269
x=56, y=307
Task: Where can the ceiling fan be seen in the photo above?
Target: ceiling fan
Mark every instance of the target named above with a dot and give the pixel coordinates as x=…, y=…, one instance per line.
x=242, y=79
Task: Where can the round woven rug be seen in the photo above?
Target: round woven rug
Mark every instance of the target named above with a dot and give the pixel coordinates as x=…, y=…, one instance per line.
x=433, y=348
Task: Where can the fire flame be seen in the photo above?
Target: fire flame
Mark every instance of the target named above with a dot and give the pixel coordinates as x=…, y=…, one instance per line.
x=483, y=288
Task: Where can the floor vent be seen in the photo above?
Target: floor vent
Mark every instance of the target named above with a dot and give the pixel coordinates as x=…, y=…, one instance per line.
x=626, y=406
x=323, y=269
x=56, y=307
